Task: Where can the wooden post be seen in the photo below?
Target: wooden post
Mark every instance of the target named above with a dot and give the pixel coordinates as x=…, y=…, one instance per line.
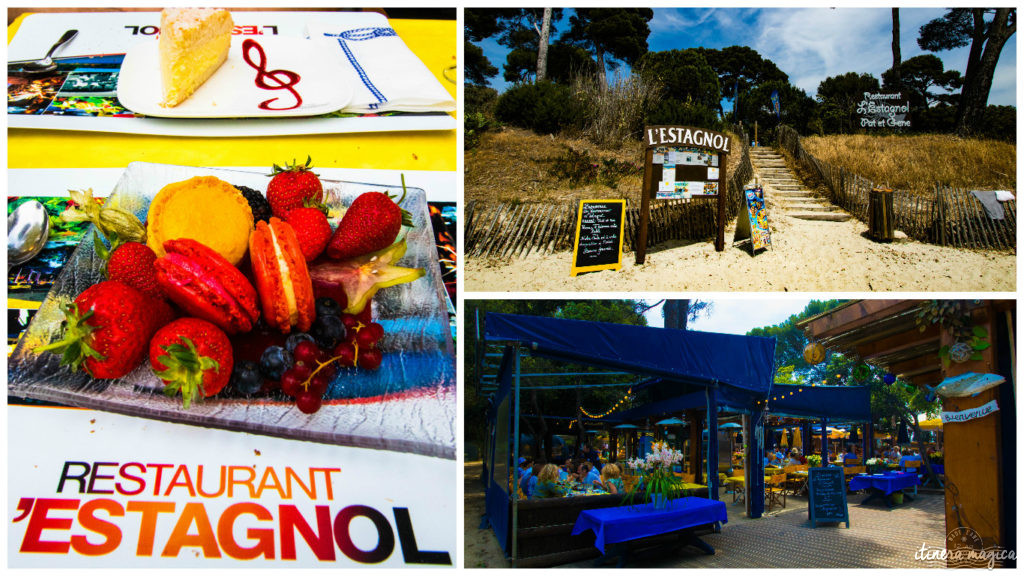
x=645, y=206
x=693, y=417
x=973, y=449
x=723, y=189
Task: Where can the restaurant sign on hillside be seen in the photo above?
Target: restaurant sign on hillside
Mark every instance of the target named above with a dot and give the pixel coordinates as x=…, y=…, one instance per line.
x=881, y=110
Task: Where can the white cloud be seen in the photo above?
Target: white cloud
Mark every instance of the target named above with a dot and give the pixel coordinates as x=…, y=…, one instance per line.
x=738, y=316
x=812, y=44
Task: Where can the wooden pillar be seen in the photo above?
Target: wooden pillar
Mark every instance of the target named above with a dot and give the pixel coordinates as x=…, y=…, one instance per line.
x=973, y=449
x=693, y=417
x=824, y=441
x=712, y=444
x=723, y=190
x=754, y=473
x=640, y=248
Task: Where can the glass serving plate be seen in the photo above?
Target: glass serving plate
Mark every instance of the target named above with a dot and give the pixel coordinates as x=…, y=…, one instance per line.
x=408, y=405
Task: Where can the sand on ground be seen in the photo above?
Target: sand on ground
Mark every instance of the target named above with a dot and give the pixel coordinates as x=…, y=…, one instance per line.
x=805, y=255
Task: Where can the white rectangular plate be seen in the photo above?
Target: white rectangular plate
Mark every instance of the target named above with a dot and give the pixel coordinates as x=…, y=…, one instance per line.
x=320, y=84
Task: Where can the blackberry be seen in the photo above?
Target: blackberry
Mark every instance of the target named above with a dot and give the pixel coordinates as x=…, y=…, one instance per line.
x=257, y=202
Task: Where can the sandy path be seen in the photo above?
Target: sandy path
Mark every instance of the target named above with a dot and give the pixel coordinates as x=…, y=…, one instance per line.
x=807, y=256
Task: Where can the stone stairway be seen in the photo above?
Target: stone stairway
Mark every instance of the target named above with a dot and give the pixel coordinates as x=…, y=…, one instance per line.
x=791, y=195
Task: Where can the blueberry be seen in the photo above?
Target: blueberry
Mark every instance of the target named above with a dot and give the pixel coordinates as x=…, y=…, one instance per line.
x=274, y=362
x=327, y=331
x=294, y=339
x=246, y=377
x=327, y=307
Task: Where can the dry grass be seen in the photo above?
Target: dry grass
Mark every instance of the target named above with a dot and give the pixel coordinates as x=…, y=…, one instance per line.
x=918, y=163
x=616, y=112
x=513, y=165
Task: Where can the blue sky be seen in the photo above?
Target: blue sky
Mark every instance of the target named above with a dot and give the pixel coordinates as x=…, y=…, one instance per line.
x=808, y=44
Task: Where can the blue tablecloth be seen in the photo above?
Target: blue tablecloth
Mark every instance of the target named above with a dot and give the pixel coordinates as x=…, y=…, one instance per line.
x=622, y=523
x=888, y=483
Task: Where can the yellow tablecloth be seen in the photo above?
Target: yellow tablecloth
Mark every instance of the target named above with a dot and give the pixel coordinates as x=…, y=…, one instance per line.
x=434, y=41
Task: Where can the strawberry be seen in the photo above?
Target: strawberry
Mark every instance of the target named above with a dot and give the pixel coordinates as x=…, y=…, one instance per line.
x=106, y=330
x=132, y=263
x=191, y=356
x=312, y=230
x=370, y=224
x=290, y=187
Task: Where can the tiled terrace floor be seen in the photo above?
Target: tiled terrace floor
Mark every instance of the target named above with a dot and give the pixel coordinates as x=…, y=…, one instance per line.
x=877, y=537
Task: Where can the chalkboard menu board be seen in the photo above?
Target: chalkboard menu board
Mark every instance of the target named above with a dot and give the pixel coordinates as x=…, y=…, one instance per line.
x=598, y=243
x=827, y=490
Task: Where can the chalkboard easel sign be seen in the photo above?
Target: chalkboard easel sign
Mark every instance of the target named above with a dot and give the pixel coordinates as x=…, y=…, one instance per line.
x=598, y=245
x=827, y=492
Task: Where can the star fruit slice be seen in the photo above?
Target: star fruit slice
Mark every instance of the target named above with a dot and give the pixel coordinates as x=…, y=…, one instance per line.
x=361, y=277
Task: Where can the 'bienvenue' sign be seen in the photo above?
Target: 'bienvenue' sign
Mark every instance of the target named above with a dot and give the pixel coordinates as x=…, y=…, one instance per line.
x=971, y=414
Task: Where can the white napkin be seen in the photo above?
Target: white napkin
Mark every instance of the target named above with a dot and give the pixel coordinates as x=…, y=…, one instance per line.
x=387, y=76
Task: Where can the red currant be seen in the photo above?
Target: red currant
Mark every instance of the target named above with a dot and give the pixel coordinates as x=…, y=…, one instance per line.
x=291, y=383
x=365, y=338
x=303, y=370
x=376, y=329
x=318, y=385
x=306, y=352
x=309, y=402
x=346, y=354
x=349, y=321
x=370, y=358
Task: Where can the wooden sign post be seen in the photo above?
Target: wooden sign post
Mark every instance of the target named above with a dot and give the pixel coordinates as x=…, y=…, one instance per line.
x=683, y=162
x=826, y=490
x=598, y=245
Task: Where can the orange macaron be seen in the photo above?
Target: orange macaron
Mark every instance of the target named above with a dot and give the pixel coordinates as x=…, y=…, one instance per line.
x=282, y=279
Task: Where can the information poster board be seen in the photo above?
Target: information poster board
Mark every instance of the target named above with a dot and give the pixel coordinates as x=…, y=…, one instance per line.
x=682, y=172
x=755, y=225
x=683, y=162
x=598, y=245
x=827, y=493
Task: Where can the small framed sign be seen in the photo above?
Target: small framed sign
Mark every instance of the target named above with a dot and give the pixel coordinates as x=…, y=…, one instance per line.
x=598, y=244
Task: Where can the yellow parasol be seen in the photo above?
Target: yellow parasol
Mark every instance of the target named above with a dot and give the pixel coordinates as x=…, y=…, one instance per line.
x=784, y=441
x=933, y=424
x=796, y=437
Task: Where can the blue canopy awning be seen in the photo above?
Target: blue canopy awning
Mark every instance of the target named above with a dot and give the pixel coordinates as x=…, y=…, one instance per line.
x=742, y=362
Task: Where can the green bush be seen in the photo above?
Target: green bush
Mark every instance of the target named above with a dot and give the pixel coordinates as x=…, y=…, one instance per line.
x=672, y=111
x=544, y=107
x=475, y=125
x=1000, y=123
x=479, y=99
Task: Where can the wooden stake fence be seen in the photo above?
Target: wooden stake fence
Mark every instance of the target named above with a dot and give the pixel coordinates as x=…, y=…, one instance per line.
x=518, y=230
x=952, y=217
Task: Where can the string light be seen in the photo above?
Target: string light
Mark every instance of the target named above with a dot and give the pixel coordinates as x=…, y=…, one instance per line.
x=628, y=396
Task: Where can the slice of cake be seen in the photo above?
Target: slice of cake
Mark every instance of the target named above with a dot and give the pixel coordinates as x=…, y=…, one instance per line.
x=194, y=42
